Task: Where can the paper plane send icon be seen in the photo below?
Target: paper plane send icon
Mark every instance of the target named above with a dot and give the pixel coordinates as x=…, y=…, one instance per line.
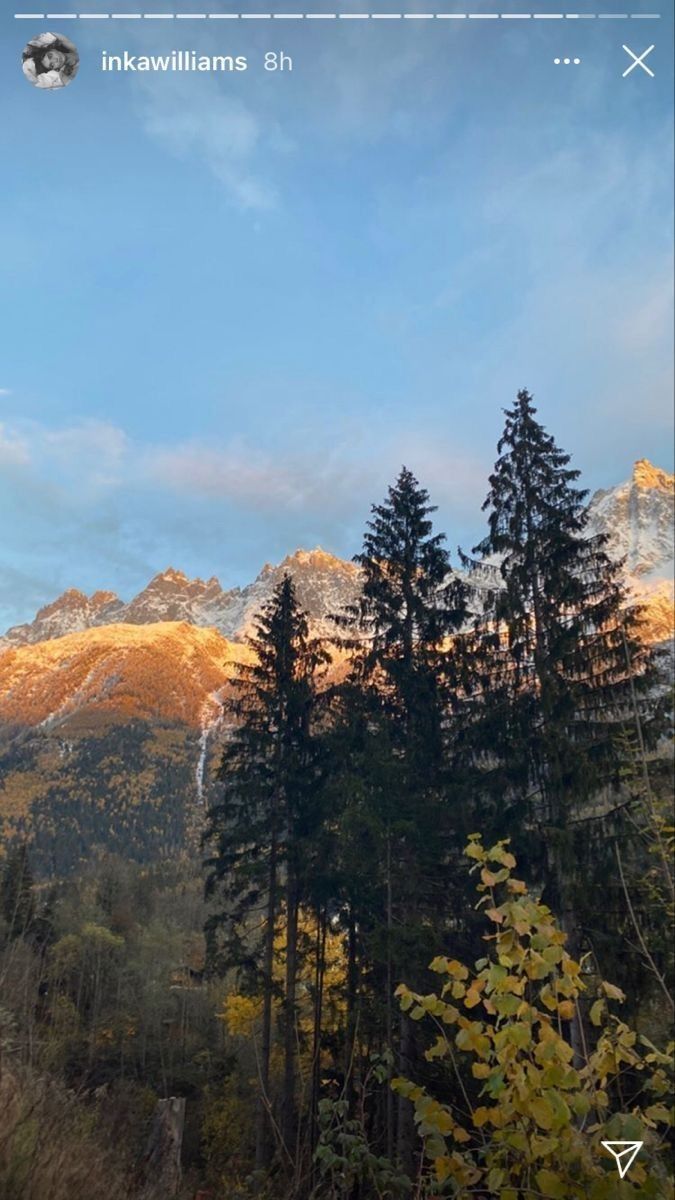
x=625, y=1154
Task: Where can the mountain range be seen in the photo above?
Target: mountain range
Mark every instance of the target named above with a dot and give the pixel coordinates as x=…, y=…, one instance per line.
x=324, y=584
x=111, y=710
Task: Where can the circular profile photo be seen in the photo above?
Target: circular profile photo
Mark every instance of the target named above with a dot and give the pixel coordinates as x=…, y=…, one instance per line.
x=50, y=61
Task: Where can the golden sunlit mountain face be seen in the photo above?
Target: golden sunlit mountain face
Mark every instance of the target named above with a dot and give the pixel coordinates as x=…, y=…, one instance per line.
x=111, y=713
x=168, y=671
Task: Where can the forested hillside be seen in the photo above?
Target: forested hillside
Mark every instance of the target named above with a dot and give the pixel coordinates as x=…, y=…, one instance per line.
x=414, y=939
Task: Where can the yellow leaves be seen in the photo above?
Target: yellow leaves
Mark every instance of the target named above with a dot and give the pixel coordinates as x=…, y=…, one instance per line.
x=472, y=1039
x=597, y=1012
x=547, y=998
x=456, y=989
x=457, y=970
x=438, y=1050
x=542, y=1112
x=491, y=878
x=552, y=1185
x=444, y=966
x=460, y=1169
x=240, y=1014
x=472, y=997
x=443, y=1167
x=580, y=1104
x=612, y=992
x=659, y=1114
x=519, y=1034
x=433, y=1118
x=552, y=955
x=529, y=1132
x=496, y=1177
x=570, y=967
x=407, y=1089
x=536, y=966
x=517, y=887
x=507, y=1006
x=474, y=849
x=439, y=964
x=404, y=996
x=498, y=853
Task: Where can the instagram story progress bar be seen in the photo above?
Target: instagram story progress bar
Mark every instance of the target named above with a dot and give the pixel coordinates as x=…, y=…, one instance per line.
x=337, y=16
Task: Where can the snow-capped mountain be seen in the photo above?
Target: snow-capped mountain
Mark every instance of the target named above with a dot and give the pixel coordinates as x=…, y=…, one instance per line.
x=70, y=613
x=111, y=712
x=324, y=585
x=637, y=516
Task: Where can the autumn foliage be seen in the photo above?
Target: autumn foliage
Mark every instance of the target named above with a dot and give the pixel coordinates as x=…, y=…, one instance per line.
x=533, y=1124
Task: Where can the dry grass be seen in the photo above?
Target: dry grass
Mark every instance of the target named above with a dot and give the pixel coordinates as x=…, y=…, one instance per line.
x=49, y=1147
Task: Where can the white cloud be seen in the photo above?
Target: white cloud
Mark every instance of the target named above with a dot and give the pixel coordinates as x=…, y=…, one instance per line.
x=207, y=123
x=14, y=450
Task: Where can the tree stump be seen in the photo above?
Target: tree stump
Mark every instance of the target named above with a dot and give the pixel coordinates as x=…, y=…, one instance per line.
x=162, y=1158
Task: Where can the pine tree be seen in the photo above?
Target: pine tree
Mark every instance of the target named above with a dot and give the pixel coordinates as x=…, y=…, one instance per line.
x=261, y=827
x=409, y=607
x=556, y=637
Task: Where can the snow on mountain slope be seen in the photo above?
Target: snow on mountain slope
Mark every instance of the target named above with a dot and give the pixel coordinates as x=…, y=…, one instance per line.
x=637, y=517
x=70, y=613
x=324, y=584
x=171, y=596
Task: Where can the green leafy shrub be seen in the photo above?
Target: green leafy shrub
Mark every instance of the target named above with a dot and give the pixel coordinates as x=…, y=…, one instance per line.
x=533, y=1122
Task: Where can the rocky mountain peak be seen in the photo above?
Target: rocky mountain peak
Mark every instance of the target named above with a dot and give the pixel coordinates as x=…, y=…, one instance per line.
x=170, y=575
x=71, y=612
x=637, y=516
x=646, y=475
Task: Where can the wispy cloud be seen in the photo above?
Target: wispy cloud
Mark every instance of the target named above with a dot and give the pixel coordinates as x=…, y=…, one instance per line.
x=100, y=509
x=13, y=448
x=210, y=125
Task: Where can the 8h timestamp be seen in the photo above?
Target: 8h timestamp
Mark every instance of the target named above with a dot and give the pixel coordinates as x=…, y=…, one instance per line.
x=276, y=60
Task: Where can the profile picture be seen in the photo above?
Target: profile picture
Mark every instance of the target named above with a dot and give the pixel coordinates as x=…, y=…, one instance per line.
x=50, y=61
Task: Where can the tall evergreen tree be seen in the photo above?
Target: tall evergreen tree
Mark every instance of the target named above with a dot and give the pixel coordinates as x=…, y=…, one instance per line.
x=557, y=657
x=261, y=828
x=409, y=607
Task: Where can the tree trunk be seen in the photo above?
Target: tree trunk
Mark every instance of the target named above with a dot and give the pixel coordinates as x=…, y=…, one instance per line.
x=262, y=1141
x=390, y=1001
x=319, y=971
x=162, y=1161
x=288, y=1117
x=405, y=1119
x=352, y=989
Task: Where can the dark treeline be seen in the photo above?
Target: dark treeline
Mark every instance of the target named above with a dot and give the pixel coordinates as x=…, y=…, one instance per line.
x=512, y=700
x=516, y=700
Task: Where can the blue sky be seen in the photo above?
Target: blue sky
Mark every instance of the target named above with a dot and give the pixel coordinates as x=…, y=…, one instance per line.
x=233, y=305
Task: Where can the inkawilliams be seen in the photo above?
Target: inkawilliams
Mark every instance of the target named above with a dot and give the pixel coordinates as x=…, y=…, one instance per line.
x=177, y=60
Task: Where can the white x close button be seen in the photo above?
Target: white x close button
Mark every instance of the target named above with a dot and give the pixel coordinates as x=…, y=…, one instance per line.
x=638, y=61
